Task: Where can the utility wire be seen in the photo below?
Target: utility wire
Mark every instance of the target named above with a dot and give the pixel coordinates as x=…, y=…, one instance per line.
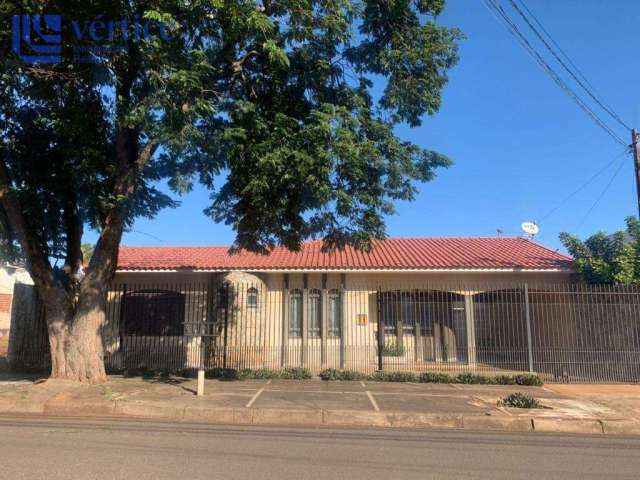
x=512, y=28
x=604, y=191
x=582, y=187
x=148, y=235
x=589, y=91
x=575, y=67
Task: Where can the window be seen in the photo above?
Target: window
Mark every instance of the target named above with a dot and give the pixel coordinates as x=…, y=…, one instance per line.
x=295, y=313
x=315, y=313
x=397, y=307
x=334, y=309
x=252, y=297
x=153, y=313
x=408, y=314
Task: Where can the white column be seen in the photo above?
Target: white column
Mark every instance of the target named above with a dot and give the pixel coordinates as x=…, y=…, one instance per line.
x=471, y=329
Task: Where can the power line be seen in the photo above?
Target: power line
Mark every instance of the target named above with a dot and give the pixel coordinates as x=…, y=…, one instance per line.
x=575, y=67
x=589, y=92
x=582, y=187
x=604, y=191
x=512, y=28
x=148, y=235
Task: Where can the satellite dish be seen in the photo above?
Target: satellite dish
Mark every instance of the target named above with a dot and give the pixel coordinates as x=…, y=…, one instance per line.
x=530, y=228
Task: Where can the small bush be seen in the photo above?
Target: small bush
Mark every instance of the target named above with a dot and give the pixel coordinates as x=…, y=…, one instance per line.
x=392, y=350
x=342, y=375
x=505, y=380
x=519, y=400
x=264, y=374
x=473, y=379
x=528, y=379
x=393, y=377
x=295, y=374
x=433, y=377
x=222, y=373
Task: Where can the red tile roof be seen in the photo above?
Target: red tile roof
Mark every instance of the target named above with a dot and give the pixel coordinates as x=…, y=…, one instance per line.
x=390, y=254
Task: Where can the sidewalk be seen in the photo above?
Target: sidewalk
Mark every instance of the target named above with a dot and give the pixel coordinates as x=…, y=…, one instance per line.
x=594, y=409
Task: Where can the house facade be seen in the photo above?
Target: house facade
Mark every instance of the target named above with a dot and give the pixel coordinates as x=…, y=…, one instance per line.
x=9, y=275
x=410, y=303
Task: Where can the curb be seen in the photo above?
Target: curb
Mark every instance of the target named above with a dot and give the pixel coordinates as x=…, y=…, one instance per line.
x=61, y=406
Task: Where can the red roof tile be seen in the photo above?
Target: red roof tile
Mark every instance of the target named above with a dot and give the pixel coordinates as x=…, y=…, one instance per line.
x=393, y=253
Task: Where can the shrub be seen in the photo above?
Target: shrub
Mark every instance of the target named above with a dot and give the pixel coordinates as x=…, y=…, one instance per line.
x=519, y=400
x=382, y=376
x=344, y=375
x=433, y=377
x=473, y=379
x=264, y=374
x=505, y=380
x=392, y=350
x=222, y=373
x=528, y=379
x=295, y=374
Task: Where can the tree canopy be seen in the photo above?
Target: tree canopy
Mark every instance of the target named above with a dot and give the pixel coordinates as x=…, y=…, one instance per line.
x=284, y=109
x=608, y=258
x=270, y=104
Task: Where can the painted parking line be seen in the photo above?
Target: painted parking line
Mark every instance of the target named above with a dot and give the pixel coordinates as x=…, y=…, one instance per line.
x=254, y=398
x=373, y=401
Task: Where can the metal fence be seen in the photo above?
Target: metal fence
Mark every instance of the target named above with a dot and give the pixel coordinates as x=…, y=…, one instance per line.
x=565, y=333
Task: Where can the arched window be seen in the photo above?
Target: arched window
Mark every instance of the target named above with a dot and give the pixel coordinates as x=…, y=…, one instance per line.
x=315, y=313
x=252, y=297
x=334, y=309
x=153, y=313
x=295, y=313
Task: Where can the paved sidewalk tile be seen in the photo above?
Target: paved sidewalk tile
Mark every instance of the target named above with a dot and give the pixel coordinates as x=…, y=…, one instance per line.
x=324, y=400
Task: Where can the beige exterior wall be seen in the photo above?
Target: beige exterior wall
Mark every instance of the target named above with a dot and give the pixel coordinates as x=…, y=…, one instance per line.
x=258, y=337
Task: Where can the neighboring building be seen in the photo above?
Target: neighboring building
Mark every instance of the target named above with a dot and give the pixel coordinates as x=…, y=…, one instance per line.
x=9, y=275
x=438, y=300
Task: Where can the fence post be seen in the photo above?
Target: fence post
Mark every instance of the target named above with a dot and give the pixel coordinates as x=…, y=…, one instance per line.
x=284, y=354
x=380, y=329
x=226, y=324
x=527, y=316
x=469, y=316
x=343, y=320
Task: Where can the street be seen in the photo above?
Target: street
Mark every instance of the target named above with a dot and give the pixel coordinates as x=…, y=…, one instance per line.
x=108, y=449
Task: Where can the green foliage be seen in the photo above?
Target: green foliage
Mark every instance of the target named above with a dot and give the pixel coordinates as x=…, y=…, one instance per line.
x=529, y=379
x=383, y=376
x=474, y=379
x=294, y=374
x=280, y=97
x=435, y=377
x=261, y=374
x=519, y=400
x=392, y=350
x=607, y=259
x=342, y=375
x=507, y=380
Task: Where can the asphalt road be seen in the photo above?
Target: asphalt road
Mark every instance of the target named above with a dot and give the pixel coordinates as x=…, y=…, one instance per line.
x=70, y=449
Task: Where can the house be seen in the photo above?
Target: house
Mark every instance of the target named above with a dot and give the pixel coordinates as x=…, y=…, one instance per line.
x=9, y=275
x=448, y=302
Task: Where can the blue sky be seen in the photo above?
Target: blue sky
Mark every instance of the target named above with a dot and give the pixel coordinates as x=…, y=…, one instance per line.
x=519, y=143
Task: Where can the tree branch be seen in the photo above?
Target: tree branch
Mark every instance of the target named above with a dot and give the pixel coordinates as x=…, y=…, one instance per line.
x=74, y=229
x=37, y=263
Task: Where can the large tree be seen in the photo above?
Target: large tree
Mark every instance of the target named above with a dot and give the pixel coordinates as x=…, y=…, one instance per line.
x=290, y=105
x=607, y=258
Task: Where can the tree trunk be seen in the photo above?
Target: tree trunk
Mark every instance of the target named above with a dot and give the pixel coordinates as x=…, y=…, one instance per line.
x=75, y=339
